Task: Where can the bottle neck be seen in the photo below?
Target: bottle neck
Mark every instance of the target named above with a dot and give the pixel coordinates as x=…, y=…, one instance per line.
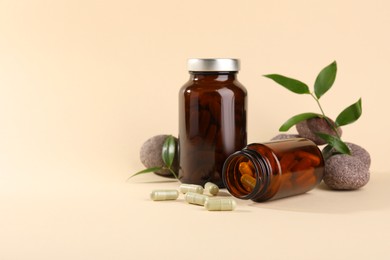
x=261, y=173
x=219, y=76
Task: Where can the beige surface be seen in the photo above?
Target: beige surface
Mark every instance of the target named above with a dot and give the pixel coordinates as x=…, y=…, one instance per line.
x=84, y=83
x=94, y=220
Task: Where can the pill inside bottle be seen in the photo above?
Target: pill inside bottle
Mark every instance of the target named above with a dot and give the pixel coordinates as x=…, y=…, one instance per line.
x=273, y=170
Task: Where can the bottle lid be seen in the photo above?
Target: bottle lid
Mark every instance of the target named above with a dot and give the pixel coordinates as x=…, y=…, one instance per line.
x=213, y=65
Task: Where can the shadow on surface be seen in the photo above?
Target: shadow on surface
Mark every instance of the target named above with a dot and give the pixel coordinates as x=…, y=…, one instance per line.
x=373, y=196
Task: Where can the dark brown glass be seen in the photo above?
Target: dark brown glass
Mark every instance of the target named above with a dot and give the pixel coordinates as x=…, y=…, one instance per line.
x=274, y=170
x=212, y=125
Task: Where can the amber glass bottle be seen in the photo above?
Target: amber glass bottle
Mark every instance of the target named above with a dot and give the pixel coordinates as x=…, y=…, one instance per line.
x=274, y=170
x=212, y=119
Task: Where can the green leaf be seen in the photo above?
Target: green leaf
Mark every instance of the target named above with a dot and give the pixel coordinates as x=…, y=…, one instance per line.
x=168, y=151
x=293, y=85
x=350, y=114
x=335, y=142
x=327, y=151
x=325, y=79
x=296, y=119
x=152, y=169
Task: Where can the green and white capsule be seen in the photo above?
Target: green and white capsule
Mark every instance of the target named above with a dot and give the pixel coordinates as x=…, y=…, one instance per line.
x=220, y=204
x=211, y=188
x=164, y=195
x=196, y=198
x=184, y=188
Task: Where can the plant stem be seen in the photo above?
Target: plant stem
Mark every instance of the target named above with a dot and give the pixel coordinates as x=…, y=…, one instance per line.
x=325, y=117
x=173, y=173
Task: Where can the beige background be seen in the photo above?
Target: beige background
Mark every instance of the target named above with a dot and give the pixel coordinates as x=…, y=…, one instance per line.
x=84, y=83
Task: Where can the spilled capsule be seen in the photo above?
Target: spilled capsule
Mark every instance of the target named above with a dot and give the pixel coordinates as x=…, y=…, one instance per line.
x=164, y=195
x=211, y=188
x=220, y=204
x=184, y=188
x=196, y=198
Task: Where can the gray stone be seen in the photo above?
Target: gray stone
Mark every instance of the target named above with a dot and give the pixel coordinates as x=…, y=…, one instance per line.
x=360, y=153
x=150, y=155
x=345, y=172
x=309, y=127
x=284, y=136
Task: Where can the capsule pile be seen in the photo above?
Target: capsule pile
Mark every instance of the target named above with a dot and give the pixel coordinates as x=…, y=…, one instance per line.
x=298, y=171
x=195, y=194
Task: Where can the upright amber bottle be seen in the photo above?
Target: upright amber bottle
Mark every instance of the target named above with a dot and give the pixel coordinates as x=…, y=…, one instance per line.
x=212, y=119
x=274, y=170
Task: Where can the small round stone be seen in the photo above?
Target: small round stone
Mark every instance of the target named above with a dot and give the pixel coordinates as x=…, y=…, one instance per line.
x=361, y=153
x=345, y=172
x=284, y=136
x=150, y=155
x=309, y=127
x=358, y=152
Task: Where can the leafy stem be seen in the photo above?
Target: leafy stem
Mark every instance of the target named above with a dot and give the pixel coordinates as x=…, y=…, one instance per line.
x=318, y=103
x=324, y=116
x=173, y=173
x=322, y=84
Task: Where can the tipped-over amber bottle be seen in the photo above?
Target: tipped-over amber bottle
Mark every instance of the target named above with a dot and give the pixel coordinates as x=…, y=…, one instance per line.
x=274, y=170
x=212, y=119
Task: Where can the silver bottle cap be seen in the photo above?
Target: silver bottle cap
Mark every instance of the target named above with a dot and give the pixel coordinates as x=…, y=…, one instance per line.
x=213, y=65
